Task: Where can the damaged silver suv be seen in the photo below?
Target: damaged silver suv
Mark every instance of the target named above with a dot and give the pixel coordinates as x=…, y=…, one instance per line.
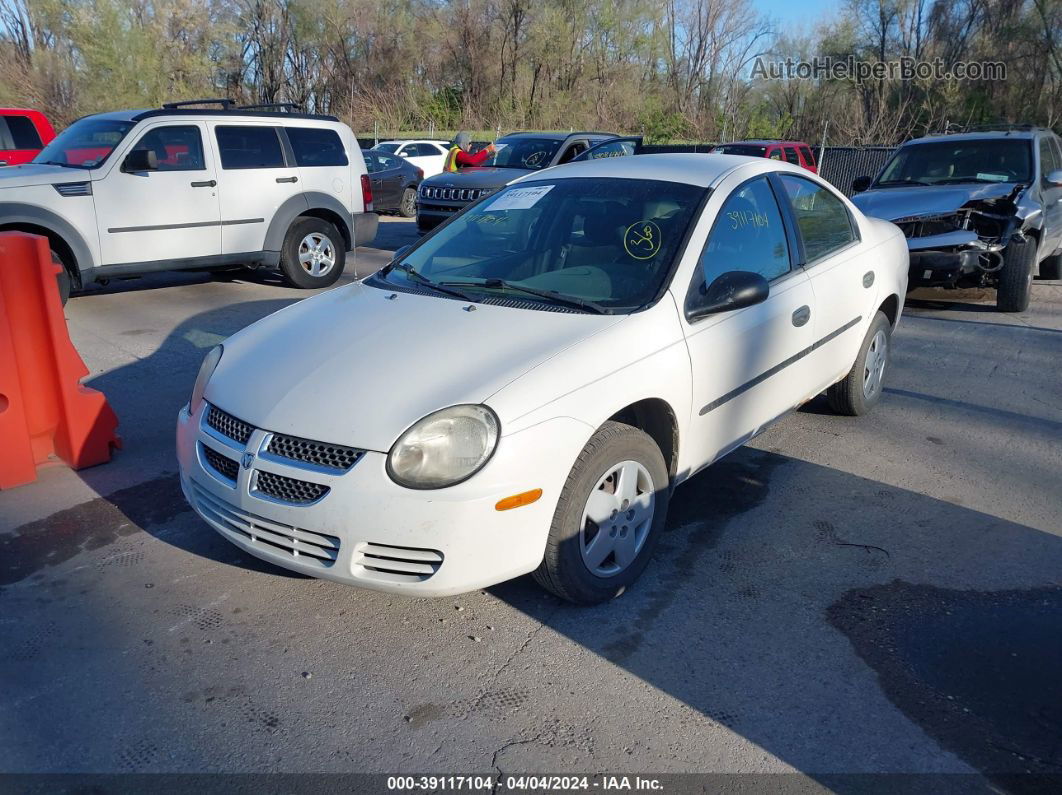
x=979, y=209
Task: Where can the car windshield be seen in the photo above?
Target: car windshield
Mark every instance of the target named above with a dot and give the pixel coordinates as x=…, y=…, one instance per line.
x=952, y=162
x=389, y=148
x=85, y=144
x=749, y=150
x=609, y=242
x=532, y=153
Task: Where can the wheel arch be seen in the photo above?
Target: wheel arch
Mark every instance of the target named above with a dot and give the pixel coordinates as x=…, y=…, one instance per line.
x=891, y=307
x=656, y=418
x=311, y=204
x=62, y=237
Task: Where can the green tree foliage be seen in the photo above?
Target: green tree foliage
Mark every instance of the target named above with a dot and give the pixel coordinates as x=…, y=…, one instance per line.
x=668, y=69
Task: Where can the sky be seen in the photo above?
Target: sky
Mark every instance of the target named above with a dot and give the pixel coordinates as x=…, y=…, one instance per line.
x=797, y=11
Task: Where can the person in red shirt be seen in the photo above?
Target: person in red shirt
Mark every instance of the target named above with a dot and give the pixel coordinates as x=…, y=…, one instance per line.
x=460, y=157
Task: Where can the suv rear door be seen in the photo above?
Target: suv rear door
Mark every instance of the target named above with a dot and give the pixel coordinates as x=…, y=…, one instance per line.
x=322, y=159
x=170, y=213
x=256, y=175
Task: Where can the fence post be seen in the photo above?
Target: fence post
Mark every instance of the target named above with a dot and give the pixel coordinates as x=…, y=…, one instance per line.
x=822, y=143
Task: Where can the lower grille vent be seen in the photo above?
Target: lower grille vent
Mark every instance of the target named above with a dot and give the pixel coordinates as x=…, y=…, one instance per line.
x=388, y=563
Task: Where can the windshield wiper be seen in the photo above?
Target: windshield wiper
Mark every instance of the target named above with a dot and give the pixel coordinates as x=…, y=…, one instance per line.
x=422, y=279
x=549, y=295
x=901, y=182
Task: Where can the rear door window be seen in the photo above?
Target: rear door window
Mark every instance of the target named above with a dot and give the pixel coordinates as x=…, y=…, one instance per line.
x=314, y=146
x=791, y=155
x=249, y=146
x=23, y=135
x=824, y=222
x=809, y=156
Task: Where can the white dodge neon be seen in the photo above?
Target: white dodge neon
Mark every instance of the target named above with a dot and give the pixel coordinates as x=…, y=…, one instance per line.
x=522, y=390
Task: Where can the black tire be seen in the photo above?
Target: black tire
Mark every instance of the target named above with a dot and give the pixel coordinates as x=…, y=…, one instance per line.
x=62, y=279
x=1051, y=268
x=1015, y=277
x=407, y=208
x=292, y=269
x=563, y=570
x=849, y=396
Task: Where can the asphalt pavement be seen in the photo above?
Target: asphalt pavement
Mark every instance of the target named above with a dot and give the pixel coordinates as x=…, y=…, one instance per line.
x=844, y=595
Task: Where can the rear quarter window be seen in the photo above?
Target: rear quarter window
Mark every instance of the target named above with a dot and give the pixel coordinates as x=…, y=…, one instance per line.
x=809, y=156
x=314, y=146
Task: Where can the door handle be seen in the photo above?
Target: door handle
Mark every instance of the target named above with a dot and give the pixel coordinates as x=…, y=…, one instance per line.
x=210, y=183
x=801, y=316
x=287, y=179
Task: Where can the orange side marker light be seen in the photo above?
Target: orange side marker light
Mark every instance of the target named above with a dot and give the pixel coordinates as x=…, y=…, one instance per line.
x=518, y=500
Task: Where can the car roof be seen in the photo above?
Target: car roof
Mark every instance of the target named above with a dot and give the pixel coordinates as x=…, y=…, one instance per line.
x=553, y=136
x=980, y=135
x=765, y=142
x=701, y=169
x=415, y=141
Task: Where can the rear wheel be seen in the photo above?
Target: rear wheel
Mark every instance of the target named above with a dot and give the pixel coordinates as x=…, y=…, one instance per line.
x=408, y=207
x=313, y=254
x=610, y=514
x=861, y=389
x=1051, y=268
x=1015, y=277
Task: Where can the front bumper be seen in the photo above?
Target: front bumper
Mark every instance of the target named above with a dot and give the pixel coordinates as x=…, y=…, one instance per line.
x=431, y=214
x=368, y=531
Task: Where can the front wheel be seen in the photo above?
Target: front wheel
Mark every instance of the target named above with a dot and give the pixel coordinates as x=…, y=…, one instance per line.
x=610, y=514
x=408, y=207
x=860, y=390
x=1016, y=276
x=313, y=254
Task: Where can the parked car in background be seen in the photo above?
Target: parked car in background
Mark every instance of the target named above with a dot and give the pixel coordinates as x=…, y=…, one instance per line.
x=134, y=191
x=429, y=156
x=394, y=183
x=518, y=154
x=979, y=209
x=23, y=133
x=538, y=375
x=796, y=152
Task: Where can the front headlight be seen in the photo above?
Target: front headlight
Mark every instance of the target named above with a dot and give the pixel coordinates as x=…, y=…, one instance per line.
x=444, y=448
x=206, y=369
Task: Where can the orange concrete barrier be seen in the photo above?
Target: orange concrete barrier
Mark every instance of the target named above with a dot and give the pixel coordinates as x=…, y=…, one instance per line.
x=45, y=412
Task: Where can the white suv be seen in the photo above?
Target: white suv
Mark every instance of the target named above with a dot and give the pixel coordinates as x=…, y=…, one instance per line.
x=178, y=187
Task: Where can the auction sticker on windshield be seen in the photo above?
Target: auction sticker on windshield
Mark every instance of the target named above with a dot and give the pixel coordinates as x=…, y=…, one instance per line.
x=520, y=198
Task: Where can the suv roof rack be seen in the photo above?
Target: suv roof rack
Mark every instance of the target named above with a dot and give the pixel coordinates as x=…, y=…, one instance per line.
x=291, y=107
x=226, y=104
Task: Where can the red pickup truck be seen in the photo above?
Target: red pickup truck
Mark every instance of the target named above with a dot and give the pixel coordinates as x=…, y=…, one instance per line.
x=23, y=133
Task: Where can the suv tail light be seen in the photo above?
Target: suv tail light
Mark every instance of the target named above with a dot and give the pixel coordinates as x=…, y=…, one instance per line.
x=366, y=193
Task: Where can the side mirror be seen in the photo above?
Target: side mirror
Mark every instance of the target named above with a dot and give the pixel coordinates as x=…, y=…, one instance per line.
x=860, y=184
x=1054, y=177
x=141, y=160
x=730, y=290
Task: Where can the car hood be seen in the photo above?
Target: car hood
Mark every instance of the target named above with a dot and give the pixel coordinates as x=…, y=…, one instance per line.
x=896, y=203
x=356, y=367
x=29, y=174
x=476, y=177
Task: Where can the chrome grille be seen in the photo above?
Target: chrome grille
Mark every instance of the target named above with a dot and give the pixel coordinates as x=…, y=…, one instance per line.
x=389, y=563
x=223, y=465
x=306, y=545
x=288, y=489
x=451, y=194
x=322, y=454
x=229, y=426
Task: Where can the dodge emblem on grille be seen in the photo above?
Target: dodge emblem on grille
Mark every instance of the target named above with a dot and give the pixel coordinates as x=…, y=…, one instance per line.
x=247, y=460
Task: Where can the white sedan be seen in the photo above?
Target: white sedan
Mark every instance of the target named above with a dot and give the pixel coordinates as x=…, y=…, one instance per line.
x=428, y=156
x=522, y=389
